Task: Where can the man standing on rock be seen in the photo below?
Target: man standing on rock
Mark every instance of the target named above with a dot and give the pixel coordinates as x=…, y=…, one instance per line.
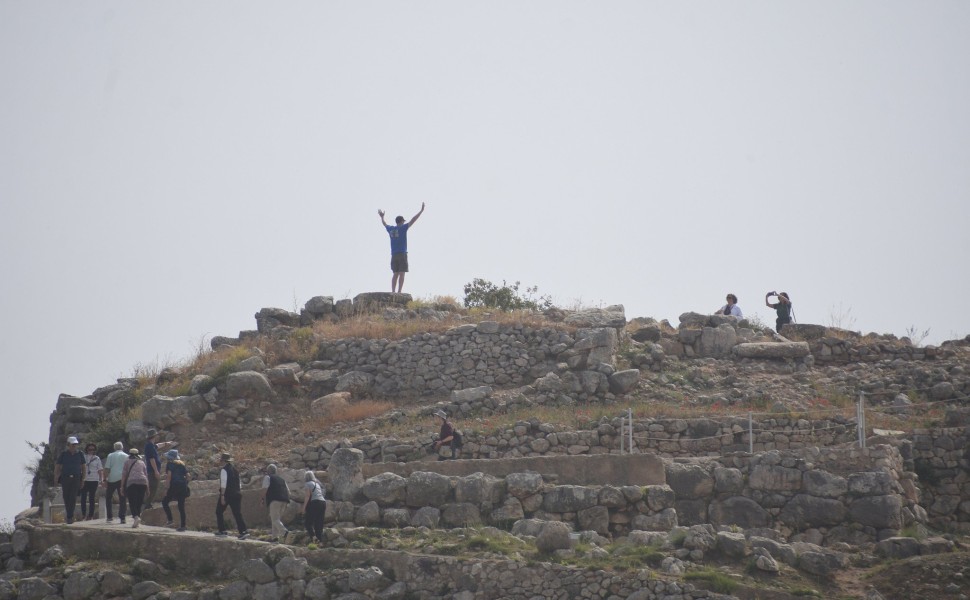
x=399, y=247
x=69, y=471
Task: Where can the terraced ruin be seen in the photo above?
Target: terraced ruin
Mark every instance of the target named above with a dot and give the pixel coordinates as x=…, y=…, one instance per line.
x=604, y=458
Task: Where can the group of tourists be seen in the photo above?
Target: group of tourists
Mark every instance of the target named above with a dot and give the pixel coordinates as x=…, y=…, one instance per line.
x=782, y=307
x=135, y=476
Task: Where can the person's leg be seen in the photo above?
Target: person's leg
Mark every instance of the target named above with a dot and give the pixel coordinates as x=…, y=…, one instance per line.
x=400, y=281
x=181, y=505
x=275, y=511
x=165, y=505
x=122, y=505
x=152, y=488
x=235, y=503
x=108, y=496
x=393, y=288
x=69, y=491
x=318, y=520
x=85, y=492
x=220, y=517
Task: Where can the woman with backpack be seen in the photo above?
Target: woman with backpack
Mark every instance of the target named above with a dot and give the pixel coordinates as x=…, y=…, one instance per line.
x=134, y=482
x=178, y=487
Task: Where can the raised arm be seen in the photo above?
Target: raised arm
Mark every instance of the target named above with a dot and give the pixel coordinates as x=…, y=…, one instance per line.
x=415, y=217
x=381, y=213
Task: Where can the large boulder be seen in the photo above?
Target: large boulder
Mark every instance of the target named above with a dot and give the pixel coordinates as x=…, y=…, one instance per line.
x=330, y=405
x=689, y=481
x=428, y=489
x=470, y=395
x=479, y=489
x=611, y=316
x=346, y=473
x=523, y=485
x=158, y=411
x=717, y=341
x=249, y=384
x=319, y=306
x=804, y=512
x=268, y=319
x=775, y=478
x=461, y=514
x=824, y=484
x=740, y=511
x=320, y=382
x=385, y=488
x=595, y=518
x=358, y=383
x=569, y=498
x=881, y=512
x=601, y=343
x=624, y=381
x=553, y=535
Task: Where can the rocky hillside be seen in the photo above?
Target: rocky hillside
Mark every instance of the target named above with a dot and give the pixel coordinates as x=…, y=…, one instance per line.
x=786, y=465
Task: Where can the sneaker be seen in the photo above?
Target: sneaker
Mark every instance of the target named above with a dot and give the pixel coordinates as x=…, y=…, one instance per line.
x=108, y=520
x=122, y=521
x=180, y=529
x=244, y=535
x=222, y=533
x=134, y=524
x=170, y=524
x=69, y=521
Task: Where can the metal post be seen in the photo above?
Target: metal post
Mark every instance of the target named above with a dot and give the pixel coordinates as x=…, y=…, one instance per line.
x=630, y=419
x=750, y=434
x=862, y=415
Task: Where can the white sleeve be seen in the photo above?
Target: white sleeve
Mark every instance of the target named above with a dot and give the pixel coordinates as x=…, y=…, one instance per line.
x=265, y=481
x=223, y=479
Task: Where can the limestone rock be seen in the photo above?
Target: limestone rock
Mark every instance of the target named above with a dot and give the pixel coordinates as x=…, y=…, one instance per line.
x=250, y=385
x=385, y=488
x=772, y=350
x=427, y=516
x=689, y=481
x=553, y=535
x=623, y=382
x=427, y=489
x=345, y=473
x=330, y=405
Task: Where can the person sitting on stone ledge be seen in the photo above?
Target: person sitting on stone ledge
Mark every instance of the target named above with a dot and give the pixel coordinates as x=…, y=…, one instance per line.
x=731, y=308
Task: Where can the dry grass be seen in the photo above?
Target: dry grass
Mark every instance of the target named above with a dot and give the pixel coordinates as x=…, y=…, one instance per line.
x=351, y=413
x=373, y=327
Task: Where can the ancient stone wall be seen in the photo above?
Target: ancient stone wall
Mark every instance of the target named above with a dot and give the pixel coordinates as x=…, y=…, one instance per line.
x=941, y=458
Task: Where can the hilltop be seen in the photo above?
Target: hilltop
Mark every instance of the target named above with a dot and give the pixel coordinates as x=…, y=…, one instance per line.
x=761, y=477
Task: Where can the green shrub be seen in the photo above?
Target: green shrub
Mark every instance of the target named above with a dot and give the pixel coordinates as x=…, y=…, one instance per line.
x=715, y=581
x=481, y=293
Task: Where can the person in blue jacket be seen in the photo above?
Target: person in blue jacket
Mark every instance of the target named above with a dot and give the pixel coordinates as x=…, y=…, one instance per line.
x=399, y=247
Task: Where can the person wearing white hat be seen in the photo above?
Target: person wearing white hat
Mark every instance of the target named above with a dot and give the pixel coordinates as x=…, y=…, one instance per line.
x=69, y=471
x=446, y=436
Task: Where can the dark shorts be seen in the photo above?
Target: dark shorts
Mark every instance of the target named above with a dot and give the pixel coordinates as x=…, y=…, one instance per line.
x=399, y=262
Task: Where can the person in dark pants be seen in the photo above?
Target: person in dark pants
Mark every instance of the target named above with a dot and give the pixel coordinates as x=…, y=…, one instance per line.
x=782, y=309
x=69, y=471
x=230, y=494
x=178, y=487
x=114, y=468
x=93, y=479
x=446, y=436
x=153, y=464
x=134, y=482
x=314, y=506
x=399, y=247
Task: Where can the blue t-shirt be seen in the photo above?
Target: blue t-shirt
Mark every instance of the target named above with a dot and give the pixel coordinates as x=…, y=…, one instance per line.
x=399, y=238
x=71, y=463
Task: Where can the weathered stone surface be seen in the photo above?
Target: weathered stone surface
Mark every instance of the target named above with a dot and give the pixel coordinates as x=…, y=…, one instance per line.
x=718, y=341
x=569, y=498
x=237, y=590
x=34, y=588
x=253, y=363
x=771, y=350
x=358, y=383
x=478, y=489
x=396, y=517
x=527, y=527
x=427, y=516
x=319, y=305
x=460, y=514
x=728, y=480
x=291, y=567
x=428, y=489
x=475, y=394
x=870, y=483
x=345, y=473
x=611, y=316
x=316, y=589
x=51, y=557
x=881, y=512
x=510, y=510
x=145, y=589
x=386, y=489
x=897, y=547
x=331, y=404
x=625, y=381
x=553, y=535
x=114, y=583
x=80, y=585
x=731, y=544
x=739, y=510
x=595, y=518
x=804, y=511
x=824, y=484
x=660, y=497
x=366, y=580
x=664, y=520
x=249, y=384
x=256, y=571
x=775, y=478
x=158, y=411
x=689, y=481
x=368, y=515
x=764, y=561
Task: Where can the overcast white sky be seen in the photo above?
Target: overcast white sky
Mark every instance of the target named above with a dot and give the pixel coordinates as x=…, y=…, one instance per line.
x=167, y=169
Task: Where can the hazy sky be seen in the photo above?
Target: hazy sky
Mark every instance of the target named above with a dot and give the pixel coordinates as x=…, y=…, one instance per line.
x=167, y=169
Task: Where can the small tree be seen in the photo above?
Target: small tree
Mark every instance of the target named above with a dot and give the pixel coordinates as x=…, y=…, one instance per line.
x=481, y=293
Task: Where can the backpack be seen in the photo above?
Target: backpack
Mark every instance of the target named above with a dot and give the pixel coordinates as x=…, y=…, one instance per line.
x=457, y=440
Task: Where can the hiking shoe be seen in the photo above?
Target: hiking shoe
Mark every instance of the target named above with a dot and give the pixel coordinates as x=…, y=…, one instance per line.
x=180, y=529
x=108, y=520
x=134, y=524
x=122, y=521
x=222, y=533
x=244, y=535
x=170, y=524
